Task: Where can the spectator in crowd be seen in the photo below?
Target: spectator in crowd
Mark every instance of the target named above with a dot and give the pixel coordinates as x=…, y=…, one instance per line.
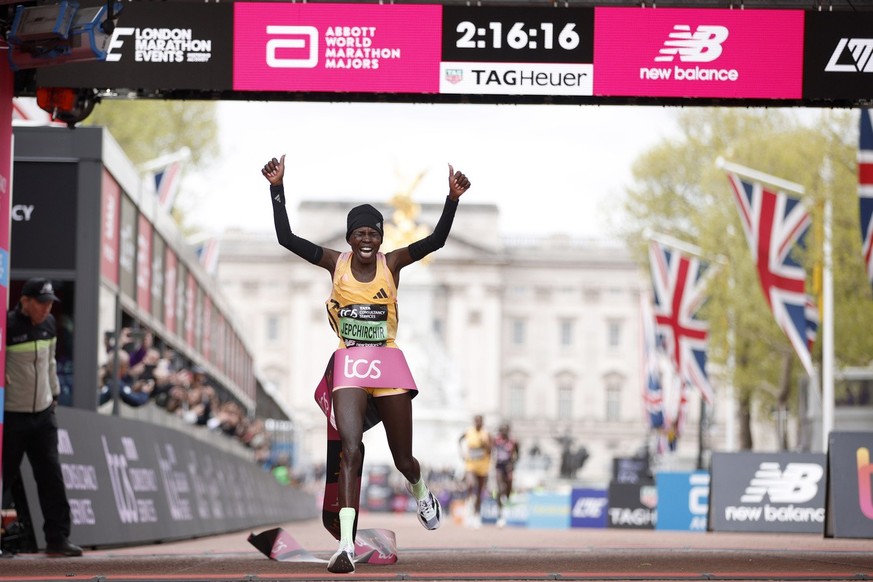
x=145, y=368
x=140, y=341
x=30, y=427
x=229, y=418
x=176, y=397
x=132, y=391
x=186, y=392
x=197, y=406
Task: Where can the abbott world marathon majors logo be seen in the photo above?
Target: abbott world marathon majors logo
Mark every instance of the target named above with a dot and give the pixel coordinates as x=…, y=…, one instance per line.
x=786, y=492
x=158, y=45
x=703, y=44
x=345, y=47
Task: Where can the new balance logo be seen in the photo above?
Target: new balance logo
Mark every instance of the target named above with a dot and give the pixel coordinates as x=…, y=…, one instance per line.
x=859, y=53
x=798, y=483
x=381, y=294
x=701, y=46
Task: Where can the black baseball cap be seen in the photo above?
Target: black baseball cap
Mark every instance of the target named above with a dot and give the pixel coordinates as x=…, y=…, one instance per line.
x=40, y=289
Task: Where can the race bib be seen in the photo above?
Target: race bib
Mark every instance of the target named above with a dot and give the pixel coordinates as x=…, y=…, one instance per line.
x=476, y=454
x=364, y=325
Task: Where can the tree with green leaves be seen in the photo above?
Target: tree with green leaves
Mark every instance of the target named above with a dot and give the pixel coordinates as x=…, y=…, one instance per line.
x=679, y=191
x=148, y=129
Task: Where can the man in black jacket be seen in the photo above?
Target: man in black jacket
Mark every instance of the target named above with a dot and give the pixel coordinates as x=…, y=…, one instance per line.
x=29, y=425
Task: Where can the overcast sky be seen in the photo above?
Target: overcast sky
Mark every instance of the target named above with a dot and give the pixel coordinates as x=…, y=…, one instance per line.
x=550, y=168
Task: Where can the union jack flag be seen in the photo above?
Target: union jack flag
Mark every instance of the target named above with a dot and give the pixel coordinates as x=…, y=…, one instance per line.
x=679, y=285
x=207, y=254
x=776, y=225
x=865, y=190
x=653, y=396
x=664, y=393
x=167, y=181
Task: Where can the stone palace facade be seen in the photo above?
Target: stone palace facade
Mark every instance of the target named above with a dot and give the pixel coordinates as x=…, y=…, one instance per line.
x=542, y=333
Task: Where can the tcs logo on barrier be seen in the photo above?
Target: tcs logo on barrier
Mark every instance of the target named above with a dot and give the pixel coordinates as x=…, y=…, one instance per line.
x=362, y=368
x=865, y=493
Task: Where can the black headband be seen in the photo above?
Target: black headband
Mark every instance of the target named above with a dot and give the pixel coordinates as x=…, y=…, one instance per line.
x=363, y=215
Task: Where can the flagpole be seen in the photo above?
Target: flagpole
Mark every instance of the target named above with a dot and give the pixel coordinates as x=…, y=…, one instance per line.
x=730, y=414
x=827, y=316
x=183, y=154
x=677, y=244
x=758, y=176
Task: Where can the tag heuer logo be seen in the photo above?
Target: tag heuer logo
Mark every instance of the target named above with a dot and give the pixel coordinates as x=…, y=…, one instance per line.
x=454, y=76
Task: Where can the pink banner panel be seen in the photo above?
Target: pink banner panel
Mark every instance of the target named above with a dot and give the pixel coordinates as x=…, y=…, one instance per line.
x=111, y=210
x=190, y=297
x=7, y=91
x=684, y=52
x=368, y=48
x=144, y=264
x=170, y=271
x=207, y=329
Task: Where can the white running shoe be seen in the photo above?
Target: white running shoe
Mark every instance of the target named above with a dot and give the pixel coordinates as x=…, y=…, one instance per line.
x=343, y=561
x=429, y=510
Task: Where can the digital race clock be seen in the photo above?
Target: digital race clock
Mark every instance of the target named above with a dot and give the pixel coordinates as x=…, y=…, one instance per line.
x=519, y=35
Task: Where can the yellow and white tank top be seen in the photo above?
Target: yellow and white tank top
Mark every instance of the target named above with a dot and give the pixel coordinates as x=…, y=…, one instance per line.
x=477, y=444
x=363, y=314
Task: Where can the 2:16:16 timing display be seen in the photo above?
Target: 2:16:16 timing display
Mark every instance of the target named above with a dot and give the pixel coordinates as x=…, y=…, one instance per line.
x=519, y=36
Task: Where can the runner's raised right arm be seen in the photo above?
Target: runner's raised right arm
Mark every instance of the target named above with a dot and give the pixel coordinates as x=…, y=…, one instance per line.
x=274, y=172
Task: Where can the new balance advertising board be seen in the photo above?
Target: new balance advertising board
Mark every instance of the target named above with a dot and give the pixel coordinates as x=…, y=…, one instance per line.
x=158, y=46
x=767, y=492
x=837, y=55
x=678, y=52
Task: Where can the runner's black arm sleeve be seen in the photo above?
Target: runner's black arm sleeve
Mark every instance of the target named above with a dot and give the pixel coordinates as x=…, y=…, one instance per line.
x=299, y=246
x=435, y=240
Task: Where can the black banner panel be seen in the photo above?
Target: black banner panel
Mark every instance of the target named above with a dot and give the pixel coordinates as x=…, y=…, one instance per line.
x=43, y=213
x=518, y=35
x=632, y=505
x=767, y=492
x=838, y=55
x=604, y=54
x=850, y=493
x=130, y=482
x=517, y=51
x=157, y=45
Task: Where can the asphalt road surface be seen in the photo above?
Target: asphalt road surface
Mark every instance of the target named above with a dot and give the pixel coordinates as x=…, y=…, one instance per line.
x=458, y=553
